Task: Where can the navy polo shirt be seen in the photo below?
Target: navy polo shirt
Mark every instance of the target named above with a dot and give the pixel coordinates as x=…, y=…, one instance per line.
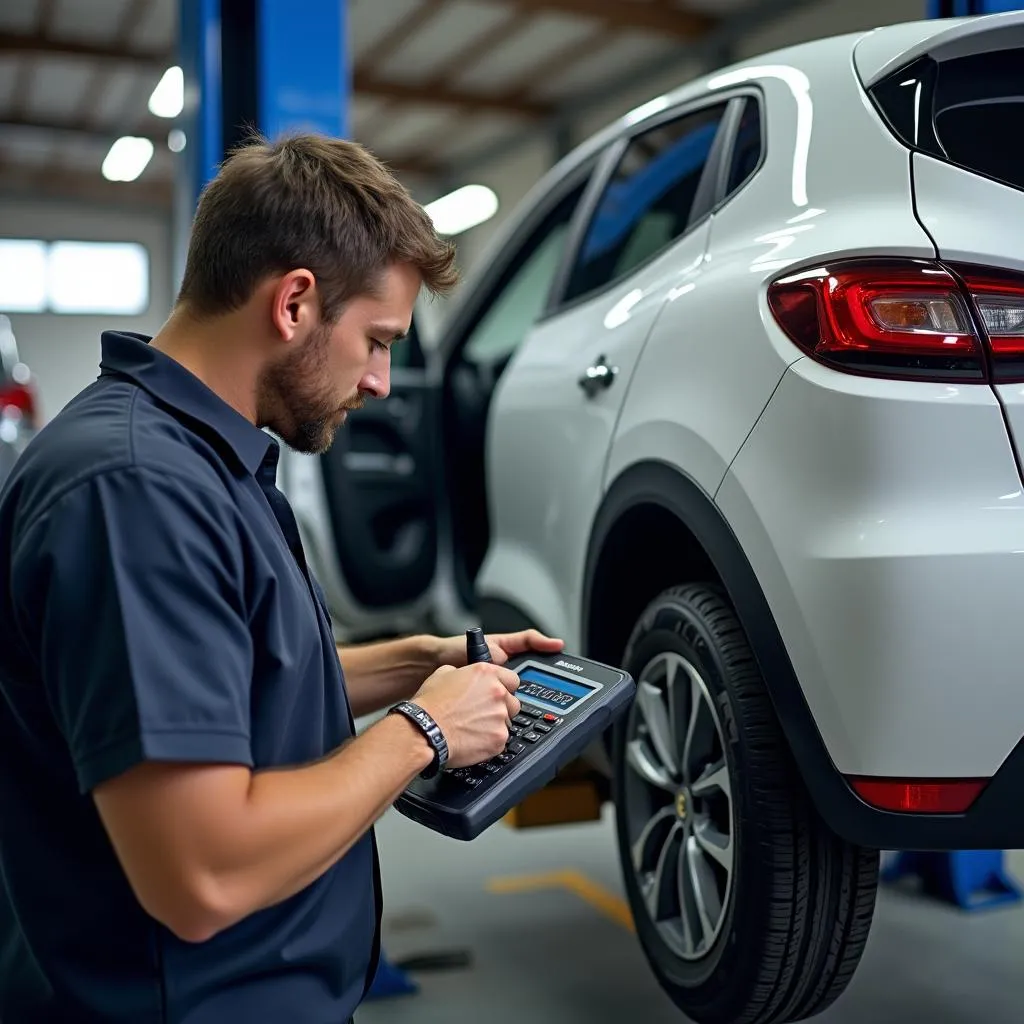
x=155, y=605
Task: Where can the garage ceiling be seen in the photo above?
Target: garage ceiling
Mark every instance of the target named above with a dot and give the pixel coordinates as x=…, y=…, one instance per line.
x=436, y=82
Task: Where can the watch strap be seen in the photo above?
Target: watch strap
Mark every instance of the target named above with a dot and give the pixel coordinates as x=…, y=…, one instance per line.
x=430, y=729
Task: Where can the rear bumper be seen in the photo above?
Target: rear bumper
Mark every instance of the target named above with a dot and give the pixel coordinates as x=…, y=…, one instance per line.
x=994, y=822
x=884, y=526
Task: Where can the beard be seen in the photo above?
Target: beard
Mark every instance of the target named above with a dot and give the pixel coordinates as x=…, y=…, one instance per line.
x=297, y=401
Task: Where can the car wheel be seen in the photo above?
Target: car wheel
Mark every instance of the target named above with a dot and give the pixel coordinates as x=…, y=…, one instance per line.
x=749, y=910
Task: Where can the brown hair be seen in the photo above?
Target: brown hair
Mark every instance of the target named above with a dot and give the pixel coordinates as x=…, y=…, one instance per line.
x=308, y=201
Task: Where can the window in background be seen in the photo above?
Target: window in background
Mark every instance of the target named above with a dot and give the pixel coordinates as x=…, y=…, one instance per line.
x=22, y=275
x=98, y=278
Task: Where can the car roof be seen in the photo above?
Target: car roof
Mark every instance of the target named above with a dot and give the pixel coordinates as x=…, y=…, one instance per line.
x=871, y=51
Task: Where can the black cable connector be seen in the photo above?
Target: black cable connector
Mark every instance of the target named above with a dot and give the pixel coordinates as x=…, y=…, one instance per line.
x=476, y=646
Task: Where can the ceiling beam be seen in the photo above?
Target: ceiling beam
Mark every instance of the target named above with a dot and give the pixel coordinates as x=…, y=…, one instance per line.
x=39, y=45
x=646, y=16
x=79, y=186
x=363, y=82
x=151, y=131
x=442, y=95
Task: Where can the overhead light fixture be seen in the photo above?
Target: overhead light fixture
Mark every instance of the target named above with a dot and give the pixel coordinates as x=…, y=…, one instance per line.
x=176, y=140
x=127, y=158
x=168, y=97
x=462, y=209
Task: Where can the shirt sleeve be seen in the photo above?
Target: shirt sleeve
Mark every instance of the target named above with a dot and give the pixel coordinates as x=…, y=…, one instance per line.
x=136, y=583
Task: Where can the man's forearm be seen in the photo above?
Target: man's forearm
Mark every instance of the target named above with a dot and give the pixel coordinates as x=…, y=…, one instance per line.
x=204, y=846
x=302, y=826
x=379, y=674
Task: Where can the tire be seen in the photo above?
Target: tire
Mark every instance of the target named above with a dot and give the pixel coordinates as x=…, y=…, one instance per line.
x=796, y=902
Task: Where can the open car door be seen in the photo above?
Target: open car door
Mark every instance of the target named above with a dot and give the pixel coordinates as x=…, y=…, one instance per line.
x=367, y=509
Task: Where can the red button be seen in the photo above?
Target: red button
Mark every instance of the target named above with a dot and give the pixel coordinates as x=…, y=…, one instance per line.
x=550, y=717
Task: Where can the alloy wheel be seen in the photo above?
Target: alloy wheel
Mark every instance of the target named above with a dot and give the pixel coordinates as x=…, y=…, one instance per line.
x=679, y=805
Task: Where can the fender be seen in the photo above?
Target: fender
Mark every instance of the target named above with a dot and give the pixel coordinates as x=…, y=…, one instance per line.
x=984, y=826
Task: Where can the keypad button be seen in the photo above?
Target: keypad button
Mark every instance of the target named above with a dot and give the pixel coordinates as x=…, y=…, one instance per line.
x=491, y=768
x=472, y=781
x=541, y=727
x=550, y=718
x=515, y=747
x=522, y=719
x=531, y=736
x=506, y=757
x=532, y=712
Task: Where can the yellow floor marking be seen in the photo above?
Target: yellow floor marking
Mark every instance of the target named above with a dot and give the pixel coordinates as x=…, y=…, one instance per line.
x=576, y=882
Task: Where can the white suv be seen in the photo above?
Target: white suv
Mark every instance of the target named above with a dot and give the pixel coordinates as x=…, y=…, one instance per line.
x=734, y=403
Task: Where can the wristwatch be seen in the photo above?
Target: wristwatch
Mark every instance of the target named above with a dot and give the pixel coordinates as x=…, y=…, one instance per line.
x=430, y=729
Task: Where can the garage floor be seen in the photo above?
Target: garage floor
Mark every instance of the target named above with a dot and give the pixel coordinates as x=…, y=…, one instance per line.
x=541, y=914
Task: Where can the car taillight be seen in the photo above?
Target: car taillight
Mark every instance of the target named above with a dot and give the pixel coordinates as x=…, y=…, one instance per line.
x=998, y=297
x=925, y=796
x=19, y=398
x=906, y=318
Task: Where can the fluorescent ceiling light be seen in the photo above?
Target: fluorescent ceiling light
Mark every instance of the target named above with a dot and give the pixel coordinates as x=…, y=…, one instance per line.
x=462, y=209
x=127, y=158
x=169, y=95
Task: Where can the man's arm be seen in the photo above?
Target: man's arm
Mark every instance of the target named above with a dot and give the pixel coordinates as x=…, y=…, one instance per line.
x=204, y=846
x=147, y=657
x=378, y=675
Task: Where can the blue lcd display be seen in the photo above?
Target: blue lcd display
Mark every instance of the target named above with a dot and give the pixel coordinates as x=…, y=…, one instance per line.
x=551, y=691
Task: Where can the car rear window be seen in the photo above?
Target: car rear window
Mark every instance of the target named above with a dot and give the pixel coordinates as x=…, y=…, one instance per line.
x=968, y=111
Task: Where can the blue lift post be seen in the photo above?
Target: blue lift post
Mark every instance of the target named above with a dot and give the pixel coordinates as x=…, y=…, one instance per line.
x=968, y=879
x=255, y=64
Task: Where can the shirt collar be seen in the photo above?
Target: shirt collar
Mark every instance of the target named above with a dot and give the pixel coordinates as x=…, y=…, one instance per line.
x=130, y=355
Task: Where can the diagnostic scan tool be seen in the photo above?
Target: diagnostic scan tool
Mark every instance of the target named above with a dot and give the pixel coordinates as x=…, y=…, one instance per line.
x=567, y=702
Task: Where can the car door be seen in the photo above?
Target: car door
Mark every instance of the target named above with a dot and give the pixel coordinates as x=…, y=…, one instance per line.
x=555, y=409
x=367, y=510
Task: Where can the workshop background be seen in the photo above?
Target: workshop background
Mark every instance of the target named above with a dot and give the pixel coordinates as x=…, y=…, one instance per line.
x=111, y=116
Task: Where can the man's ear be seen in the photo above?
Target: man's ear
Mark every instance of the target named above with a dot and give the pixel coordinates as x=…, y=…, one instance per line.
x=295, y=305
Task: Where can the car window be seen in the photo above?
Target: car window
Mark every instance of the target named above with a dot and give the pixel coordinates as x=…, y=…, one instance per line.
x=976, y=107
x=519, y=301
x=746, y=151
x=648, y=200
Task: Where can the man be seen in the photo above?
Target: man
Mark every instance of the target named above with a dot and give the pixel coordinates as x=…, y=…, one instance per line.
x=185, y=812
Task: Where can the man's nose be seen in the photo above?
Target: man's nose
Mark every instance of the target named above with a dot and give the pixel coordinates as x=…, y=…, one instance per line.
x=377, y=379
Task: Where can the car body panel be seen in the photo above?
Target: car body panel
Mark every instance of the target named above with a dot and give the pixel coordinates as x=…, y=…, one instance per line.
x=901, y=552
x=543, y=426
x=888, y=49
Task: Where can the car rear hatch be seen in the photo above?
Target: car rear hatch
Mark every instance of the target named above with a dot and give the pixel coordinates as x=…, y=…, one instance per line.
x=955, y=96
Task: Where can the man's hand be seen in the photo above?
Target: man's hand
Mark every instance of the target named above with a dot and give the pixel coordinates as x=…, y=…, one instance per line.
x=452, y=649
x=472, y=705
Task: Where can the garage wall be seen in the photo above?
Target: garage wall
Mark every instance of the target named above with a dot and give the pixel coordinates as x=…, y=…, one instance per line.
x=63, y=351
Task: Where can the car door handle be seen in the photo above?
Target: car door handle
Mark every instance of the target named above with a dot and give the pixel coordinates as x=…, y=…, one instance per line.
x=598, y=377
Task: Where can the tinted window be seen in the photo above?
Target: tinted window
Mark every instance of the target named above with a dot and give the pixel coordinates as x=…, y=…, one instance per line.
x=746, y=152
x=977, y=107
x=520, y=299
x=648, y=201
x=979, y=113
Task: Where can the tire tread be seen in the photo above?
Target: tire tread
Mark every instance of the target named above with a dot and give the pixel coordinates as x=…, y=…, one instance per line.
x=822, y=892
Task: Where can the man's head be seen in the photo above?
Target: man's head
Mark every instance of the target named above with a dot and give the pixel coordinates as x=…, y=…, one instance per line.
x=322, y=253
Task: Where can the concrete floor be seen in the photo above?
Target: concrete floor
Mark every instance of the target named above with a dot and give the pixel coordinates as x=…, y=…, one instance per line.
x=542, y=917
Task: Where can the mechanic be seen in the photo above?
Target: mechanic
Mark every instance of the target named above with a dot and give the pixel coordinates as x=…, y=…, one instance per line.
x=186, y=813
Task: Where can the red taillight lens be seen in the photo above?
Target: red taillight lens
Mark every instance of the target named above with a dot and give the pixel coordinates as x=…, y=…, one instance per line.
x=919, y=796
x=890, y=317
x=20, y=398
x=998, y=297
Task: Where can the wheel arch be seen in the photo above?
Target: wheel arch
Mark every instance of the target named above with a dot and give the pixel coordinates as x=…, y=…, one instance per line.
x=653, y=503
